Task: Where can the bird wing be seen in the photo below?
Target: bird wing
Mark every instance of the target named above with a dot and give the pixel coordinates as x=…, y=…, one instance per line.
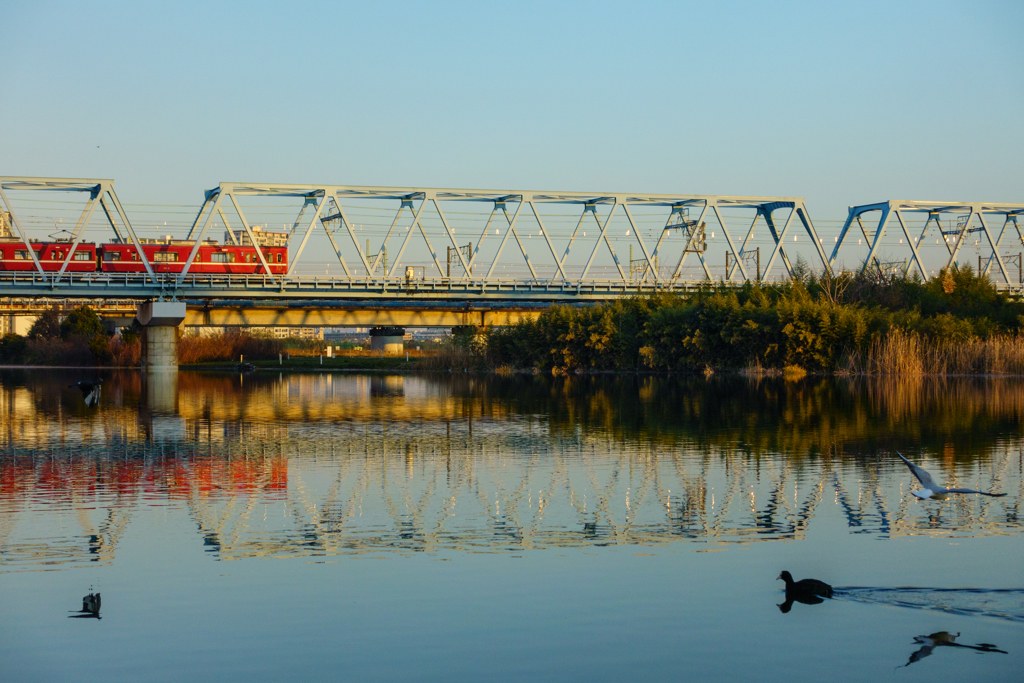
x=984, y=493
x=921, y=474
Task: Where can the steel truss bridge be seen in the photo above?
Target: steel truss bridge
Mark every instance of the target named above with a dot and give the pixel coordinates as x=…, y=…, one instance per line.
x=970, y=218
x=469, y=284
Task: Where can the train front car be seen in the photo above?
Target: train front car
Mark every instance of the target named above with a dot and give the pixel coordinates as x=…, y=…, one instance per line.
x=14, y=255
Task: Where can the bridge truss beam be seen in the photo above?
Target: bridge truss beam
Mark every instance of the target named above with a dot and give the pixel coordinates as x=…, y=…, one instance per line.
x=101, y=191
x=967, y=213
x=412, y=205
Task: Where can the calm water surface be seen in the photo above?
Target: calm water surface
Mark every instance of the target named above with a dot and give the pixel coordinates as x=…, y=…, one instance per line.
x=279, y=527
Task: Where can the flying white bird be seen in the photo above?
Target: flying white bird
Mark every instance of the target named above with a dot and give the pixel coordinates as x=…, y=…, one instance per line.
x=933, y=490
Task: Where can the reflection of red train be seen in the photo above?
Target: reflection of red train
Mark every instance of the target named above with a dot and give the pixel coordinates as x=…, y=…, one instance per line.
x=165, y=256
x=64, y=479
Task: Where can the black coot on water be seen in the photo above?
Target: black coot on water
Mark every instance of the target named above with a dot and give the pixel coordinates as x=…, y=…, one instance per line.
x=806, y=591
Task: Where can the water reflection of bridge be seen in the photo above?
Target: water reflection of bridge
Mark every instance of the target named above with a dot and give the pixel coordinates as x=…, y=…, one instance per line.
x=498, y=485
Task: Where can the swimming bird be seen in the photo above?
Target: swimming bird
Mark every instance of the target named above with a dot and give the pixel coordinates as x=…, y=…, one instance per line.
x=933, y=490
x=90, y=390
x=805, y=587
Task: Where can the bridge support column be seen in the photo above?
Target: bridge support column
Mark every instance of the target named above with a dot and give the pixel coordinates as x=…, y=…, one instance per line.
x=160, y=321
x=390, y=340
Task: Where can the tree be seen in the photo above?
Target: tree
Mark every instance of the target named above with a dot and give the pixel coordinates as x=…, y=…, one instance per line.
x=12, y=348
x=47, y=325
x=82, y=321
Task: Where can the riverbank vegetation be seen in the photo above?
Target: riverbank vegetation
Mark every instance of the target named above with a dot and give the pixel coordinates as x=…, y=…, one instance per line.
x=71, y=337
x=956, y=323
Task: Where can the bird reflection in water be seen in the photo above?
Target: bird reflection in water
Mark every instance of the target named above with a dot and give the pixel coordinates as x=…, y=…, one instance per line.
x=90, y=608
x=90, y=390
x=803, y=598
x=944, y=639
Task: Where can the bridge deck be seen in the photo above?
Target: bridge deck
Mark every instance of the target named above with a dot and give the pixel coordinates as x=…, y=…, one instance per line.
x=144, y=286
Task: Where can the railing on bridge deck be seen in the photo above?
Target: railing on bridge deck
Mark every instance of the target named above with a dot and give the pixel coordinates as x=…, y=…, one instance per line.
x=142, y=285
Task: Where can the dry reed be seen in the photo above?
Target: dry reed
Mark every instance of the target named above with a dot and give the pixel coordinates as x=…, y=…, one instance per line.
x=908, y=353
x=453, y=358
x=125, y=354
x=227, y=346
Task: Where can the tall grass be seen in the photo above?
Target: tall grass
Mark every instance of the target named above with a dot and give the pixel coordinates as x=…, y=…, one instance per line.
x=125, y=354
x=908, y=353
x=227, y=346
x=453, y=358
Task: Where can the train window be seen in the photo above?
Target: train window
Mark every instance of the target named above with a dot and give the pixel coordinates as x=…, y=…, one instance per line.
x=165, y=256
x=135, y=256
x=222, y=257
x=279, y=258
x=22, y=255
x=83, y=256
x=111, y=256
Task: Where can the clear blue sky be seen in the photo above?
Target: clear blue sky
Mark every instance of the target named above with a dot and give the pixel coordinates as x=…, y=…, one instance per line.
x=837, y=102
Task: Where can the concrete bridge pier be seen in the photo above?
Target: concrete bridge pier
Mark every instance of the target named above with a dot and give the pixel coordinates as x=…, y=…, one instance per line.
x=160, y=322
x=390, y=340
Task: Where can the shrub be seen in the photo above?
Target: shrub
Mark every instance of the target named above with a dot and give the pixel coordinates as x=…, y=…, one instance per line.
x=12, y=348
x=83, y=322
x=818, y=323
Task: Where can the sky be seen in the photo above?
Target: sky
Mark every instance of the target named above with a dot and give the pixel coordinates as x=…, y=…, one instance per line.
x=840, y=103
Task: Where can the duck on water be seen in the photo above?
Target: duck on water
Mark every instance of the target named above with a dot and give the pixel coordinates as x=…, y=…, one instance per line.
x=806, y=591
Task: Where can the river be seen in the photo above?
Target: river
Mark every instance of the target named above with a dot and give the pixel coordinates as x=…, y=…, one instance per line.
x=455, y=527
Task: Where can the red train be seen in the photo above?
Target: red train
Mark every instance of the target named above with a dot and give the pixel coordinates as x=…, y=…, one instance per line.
x=165, y=256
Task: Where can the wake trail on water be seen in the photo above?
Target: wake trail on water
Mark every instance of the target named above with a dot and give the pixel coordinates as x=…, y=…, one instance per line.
x=1001, y=603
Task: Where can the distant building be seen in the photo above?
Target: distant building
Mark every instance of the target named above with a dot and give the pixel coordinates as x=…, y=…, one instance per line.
x=5, y=224
x=345, y=333
x=263, y=238
x=16, y=324
x=280, y=332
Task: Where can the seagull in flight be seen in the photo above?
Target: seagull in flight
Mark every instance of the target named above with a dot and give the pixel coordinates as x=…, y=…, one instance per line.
x=933, y=490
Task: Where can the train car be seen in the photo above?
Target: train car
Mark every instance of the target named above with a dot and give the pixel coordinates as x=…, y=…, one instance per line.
x=169, y=256
x=14, y=255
